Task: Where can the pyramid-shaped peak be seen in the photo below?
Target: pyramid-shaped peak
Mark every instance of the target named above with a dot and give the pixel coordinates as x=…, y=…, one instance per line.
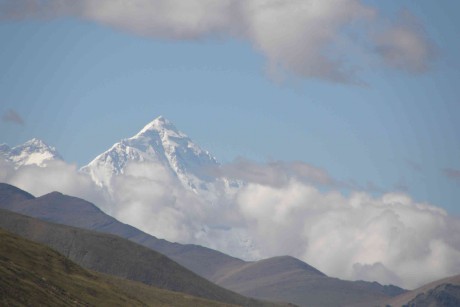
x=159, y=124
x=161, y=121
x=36, y=144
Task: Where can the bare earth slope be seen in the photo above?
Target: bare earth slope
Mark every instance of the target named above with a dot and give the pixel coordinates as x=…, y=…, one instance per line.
x=288, y=279
x=444, y=292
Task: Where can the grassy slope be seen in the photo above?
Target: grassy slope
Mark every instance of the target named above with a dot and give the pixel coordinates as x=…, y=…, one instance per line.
x=119, y=257
x=32, y=274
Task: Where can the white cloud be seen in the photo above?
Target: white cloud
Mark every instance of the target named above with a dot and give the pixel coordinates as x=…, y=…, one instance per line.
x=304, y=38
x=390, y=238
x=297, y=36
x=56, y=176
x=148, y=197
x=174, y=19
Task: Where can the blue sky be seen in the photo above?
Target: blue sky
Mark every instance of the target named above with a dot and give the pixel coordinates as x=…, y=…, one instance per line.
x=82, y=84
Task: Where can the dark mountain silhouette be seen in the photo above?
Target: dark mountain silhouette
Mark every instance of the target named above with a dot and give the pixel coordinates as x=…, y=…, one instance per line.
x=279, y=278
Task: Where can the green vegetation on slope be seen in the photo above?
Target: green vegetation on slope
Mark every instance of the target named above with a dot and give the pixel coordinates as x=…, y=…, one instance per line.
x=32, y=274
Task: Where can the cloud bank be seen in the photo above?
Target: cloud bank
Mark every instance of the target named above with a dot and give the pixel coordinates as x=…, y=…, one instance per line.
x=303, y=38
x=388, y=238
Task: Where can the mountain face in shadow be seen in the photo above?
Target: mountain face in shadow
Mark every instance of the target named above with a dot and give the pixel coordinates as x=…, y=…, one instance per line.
x=279, y=278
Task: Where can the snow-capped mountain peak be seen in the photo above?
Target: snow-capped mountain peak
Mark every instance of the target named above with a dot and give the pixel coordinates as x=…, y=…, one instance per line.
x=158, y=142
x=160, y=124
x=32, y=152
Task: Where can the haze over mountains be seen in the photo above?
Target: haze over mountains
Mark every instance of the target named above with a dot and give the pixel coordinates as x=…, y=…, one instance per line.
x=164, y=184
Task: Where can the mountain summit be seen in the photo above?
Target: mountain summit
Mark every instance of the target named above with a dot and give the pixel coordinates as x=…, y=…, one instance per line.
x=160, y=143
x=34, y=151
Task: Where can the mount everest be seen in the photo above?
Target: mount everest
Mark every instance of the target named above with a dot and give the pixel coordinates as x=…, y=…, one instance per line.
x=162, y=144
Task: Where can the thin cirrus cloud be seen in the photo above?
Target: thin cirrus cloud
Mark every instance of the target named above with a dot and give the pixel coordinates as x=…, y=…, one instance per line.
x=452, y=173
x=405, y=45
x=277, y=173
x=281, y=174
x=12, y=116
x=313, y=42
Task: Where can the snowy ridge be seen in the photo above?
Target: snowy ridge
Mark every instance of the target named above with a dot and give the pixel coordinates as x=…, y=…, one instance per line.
x=32, y=152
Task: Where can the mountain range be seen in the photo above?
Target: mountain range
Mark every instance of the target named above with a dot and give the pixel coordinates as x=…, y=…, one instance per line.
x=159, y=143
x=278, y=279
x=167, y=157
x=169, y=154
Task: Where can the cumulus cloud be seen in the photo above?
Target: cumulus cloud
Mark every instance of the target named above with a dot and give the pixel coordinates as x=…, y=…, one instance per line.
x=56, y=176
x=148, y=197
x=389, y=238
x=376, y=271
x=304, y=38
x=13, y=117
